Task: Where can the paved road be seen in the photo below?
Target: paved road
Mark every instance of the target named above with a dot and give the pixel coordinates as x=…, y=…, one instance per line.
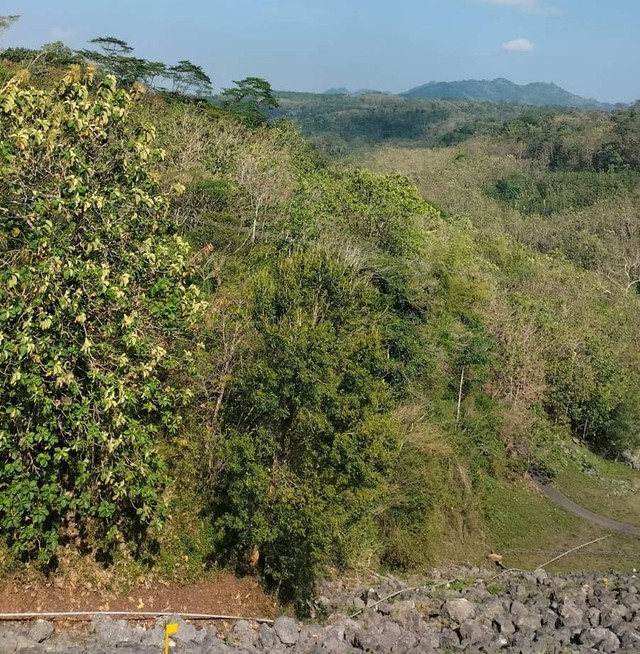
x=555, y=495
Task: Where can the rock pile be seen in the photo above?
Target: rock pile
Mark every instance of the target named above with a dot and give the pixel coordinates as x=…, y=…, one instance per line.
x=526, y=614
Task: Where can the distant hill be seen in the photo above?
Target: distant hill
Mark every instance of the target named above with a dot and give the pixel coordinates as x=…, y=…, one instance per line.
x=359, y=92
x=339, y=91
x=503, y=90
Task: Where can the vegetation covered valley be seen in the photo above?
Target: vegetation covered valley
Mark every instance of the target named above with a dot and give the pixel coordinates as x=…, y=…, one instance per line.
x=220, y=347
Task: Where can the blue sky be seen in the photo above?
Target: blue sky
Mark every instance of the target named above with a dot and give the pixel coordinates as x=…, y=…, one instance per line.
x=589, y=47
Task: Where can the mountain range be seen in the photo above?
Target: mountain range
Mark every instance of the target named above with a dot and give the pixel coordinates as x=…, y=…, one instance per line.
x=344, y=91
x=497, y=90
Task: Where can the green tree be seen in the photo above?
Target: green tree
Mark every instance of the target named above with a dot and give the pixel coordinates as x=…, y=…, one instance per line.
x=112, y=46
x=587, y=391
x=115, y=57
x=112, y=51
x=39, y=62
x=249, y=100
x=150, y=71
x=20, y=55
x=6, y=22
x=94, y=293
x=385, y=208
x=307, y=437
x=189, y=78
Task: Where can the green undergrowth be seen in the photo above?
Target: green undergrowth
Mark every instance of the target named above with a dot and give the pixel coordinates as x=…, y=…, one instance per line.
x=364, y=380
x=547, y=311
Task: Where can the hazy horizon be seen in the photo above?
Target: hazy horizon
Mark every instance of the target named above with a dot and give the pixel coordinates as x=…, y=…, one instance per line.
x=584, y=46
x=426, y=83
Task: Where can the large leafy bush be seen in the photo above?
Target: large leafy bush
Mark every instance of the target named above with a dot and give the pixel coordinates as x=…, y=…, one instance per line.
x=94, y=292
x=308, y=438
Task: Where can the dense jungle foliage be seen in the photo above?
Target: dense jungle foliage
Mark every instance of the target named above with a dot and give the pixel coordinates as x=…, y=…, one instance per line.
x=199, y=313
x=338, y=124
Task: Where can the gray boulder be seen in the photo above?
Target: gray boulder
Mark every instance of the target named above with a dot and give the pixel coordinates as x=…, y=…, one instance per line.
x=528, y=623
x=496, y=614
x=187, y=633
x=632, y=457
x=459, y=610
x=473, y=632
x=593, y=616
x=267, y=638
x=630, y=640
x=241, y=635
x=213, y=645
x=11, y=641
x=287, y=630
x=405, y=642
x=571, y=615
x=40, y=631
x=153, y=637
x=541, y=575
x=613, y=616
x=450, y=640
x=601, y=639
x=113, y=631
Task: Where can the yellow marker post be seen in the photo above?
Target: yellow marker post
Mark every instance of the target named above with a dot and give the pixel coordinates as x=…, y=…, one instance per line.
x=169, y=629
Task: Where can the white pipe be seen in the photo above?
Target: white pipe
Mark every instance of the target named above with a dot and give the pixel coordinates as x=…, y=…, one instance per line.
x=129, y=614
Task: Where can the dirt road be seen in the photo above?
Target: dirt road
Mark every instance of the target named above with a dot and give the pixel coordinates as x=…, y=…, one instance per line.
x=557, y=497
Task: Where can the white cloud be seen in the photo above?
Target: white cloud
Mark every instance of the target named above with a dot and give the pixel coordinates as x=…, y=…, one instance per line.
x=519, y=45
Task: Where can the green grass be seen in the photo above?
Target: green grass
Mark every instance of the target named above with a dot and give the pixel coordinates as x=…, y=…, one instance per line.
x=514, y=513
x=528, y=530
x=606, y=487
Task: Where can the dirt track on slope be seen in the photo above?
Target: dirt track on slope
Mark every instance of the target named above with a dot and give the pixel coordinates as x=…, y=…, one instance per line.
x=556, y=496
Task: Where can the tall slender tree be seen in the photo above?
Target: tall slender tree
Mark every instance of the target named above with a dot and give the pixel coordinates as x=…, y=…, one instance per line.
x=188, y=77
x=250, y=98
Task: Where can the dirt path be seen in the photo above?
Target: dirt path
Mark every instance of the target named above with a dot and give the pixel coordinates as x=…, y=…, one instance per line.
x=563, y=501
x=221, y=594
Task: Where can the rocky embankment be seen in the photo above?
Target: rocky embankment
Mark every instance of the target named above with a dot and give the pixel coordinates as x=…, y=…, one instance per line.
x=519, y=612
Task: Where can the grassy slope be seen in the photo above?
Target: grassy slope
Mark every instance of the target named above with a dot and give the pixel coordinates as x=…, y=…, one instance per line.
x=529, y=530
x=516, y=519
x=606, y=487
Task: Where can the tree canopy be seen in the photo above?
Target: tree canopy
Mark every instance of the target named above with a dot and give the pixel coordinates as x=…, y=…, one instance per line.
x=7, y=21
x=249, y=100
x=94, y=287
x=114, y=56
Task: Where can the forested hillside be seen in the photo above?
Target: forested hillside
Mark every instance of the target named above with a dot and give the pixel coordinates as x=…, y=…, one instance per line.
x=502, y=90
x=341, y=123
x=305, y=364
x=338, y=124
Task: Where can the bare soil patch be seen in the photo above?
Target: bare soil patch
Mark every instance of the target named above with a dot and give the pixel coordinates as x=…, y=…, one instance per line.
x=223, y=593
